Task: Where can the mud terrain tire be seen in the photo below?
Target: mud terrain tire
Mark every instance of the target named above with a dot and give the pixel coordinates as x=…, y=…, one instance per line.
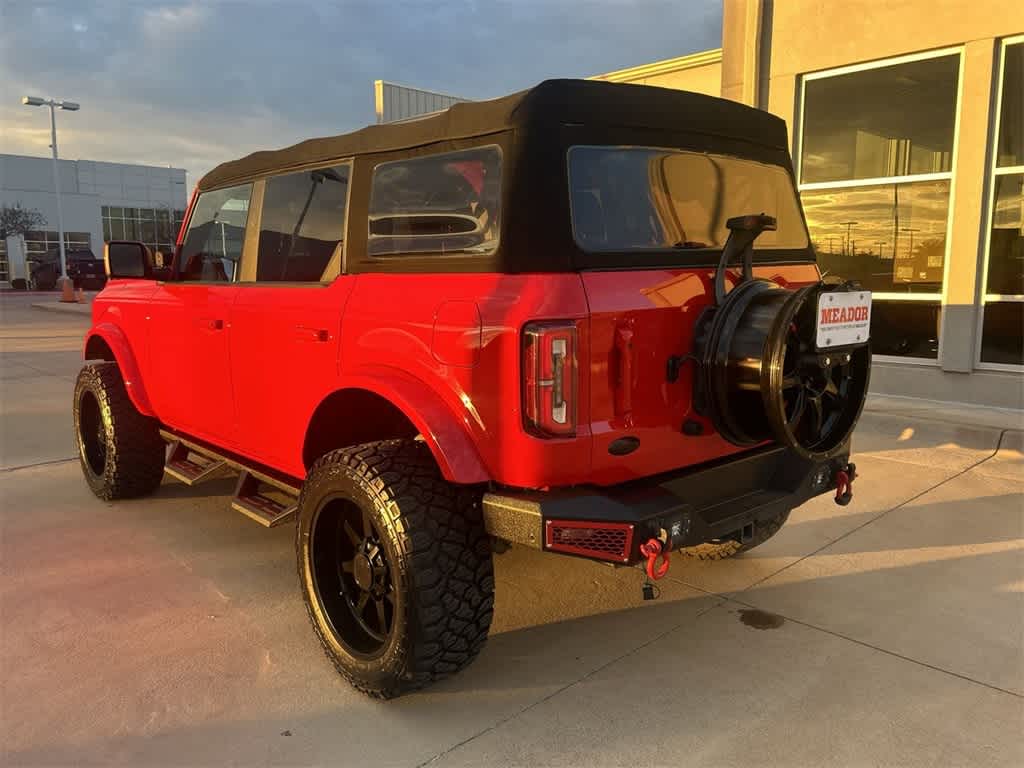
x=121, y=452
x=419, y=555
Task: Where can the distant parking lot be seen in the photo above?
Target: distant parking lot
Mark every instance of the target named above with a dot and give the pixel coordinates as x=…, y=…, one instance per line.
x=170, y=630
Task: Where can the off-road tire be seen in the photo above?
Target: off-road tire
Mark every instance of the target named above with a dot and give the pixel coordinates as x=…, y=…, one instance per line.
x=133, y=458
x=720, y=550
x=439, y=559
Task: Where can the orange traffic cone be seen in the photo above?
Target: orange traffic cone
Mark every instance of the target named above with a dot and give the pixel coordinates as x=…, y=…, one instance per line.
x=67, y=289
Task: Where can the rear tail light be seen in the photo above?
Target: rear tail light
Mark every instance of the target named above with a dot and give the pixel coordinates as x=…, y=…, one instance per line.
x=549, y=378
x=601, y=541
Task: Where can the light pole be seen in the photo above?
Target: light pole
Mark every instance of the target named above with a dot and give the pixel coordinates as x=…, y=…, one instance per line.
x=848, y=225
x=70, y=106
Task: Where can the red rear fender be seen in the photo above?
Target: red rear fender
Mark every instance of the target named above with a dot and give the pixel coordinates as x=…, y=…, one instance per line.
x=448, y=440
x=107, y=338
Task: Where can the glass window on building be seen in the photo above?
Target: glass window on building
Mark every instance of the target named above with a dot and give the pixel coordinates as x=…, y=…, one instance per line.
x=1002, y=326
x=876, y=148
x=156, y=227
x=5, y=270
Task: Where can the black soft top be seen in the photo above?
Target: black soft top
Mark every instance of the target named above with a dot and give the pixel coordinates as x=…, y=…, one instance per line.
x=564, y=102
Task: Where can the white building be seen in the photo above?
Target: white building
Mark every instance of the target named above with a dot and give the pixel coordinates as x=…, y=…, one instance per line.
x=100, y=202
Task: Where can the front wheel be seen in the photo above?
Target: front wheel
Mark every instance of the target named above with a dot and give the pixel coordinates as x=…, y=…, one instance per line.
x=121, y=451
x=394, y=565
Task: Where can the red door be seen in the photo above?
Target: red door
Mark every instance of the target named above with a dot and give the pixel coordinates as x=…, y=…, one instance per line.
x=284, y=356
x=189, y=380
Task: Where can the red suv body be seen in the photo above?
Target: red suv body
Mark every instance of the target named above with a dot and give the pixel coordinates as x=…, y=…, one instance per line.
x=527, y=288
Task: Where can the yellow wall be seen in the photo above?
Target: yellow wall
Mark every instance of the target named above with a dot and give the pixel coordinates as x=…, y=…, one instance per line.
x=700, y=72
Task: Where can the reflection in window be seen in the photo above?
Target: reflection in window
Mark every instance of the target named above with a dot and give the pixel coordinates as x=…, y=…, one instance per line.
x=905, y=329
x=1006, y=246
x=447, y=203
x=303, y=225
x=216, y=231
x=889, y=237
x=1011, y=119
x=888, y=121
x=634, y=198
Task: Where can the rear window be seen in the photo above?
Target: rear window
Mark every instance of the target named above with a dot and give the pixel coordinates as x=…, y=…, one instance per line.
x=642, y=199
x=445, y=204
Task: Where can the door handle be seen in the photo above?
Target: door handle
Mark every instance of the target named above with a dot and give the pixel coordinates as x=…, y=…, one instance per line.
x=216, y=325
x=305, y=333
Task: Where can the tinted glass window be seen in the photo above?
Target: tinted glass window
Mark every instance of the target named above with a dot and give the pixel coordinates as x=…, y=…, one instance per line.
x=1002, y=338
x=890, y=237
x=448, y=203
x=889, y=121
x=216, y=232
x=302, y=229
x=1006, y=245
x=1011, y=119
x=905, y=328
x=629, y=198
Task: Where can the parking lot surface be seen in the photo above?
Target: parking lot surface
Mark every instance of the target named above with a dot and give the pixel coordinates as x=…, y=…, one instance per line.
x=170, y=630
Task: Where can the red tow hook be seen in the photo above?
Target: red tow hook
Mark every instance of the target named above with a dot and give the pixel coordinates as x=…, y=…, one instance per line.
x=844, y=484
x=651, y=550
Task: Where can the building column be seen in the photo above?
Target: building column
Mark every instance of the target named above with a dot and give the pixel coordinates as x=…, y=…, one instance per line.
x=744, y=23
x=968, y=232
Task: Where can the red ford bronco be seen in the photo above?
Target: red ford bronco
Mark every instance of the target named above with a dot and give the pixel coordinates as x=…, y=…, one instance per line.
x=584, y=318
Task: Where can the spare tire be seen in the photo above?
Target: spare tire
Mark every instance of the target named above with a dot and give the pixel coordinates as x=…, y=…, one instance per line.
x=763, y=377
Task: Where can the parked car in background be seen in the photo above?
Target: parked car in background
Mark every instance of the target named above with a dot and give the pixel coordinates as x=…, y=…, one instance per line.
x=84, y=269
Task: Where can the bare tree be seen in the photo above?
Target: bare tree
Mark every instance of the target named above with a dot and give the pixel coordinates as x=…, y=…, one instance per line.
x=15, y=220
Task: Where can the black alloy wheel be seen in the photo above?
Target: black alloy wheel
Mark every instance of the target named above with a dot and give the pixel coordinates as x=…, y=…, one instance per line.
x=92, y=432
x=352, y=573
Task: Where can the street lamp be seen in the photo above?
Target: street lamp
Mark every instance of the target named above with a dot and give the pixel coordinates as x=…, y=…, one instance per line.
x=70, y=106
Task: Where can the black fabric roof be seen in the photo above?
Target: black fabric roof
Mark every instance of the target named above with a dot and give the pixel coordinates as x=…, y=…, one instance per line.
x=552, y=101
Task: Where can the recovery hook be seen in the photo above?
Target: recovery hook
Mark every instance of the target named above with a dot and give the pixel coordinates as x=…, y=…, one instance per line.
x=652, y=549
x=844, y=484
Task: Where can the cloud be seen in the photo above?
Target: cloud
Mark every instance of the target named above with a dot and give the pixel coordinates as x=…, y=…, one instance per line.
x=191, y=84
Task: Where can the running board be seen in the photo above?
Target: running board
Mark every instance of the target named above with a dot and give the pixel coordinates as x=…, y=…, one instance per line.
x=264, y=510
x=181, y=467
x=247, y=499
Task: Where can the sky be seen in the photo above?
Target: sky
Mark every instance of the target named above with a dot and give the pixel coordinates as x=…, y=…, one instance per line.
x=191, y=84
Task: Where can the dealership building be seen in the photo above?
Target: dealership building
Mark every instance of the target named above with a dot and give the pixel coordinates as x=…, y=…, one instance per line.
x=99, y=202
x=906, y=123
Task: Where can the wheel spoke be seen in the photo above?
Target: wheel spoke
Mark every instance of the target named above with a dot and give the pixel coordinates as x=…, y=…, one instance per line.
x=382, y=624
x=355, y=538
x=817, y=418
x=390, y=596
x=790, y=381
x=364, y=598
x=798, y=409
x=348, y=566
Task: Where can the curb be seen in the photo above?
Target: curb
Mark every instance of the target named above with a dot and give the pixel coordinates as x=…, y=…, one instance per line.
x=68, y=308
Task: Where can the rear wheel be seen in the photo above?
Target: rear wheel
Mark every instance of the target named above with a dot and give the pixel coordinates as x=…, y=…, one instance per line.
x=121, y=451
x=395, y=566
x=719, y=549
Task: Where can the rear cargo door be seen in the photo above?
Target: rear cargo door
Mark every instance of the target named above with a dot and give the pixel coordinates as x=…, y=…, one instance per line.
x=650, y=223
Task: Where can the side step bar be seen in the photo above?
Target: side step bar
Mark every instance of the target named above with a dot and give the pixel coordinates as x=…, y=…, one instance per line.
x=264, y=510
x=248, y=499
x=181, y=467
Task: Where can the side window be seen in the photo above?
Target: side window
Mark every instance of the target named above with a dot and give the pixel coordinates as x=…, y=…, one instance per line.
x=302, y=229
x=447, y=203
x=216, y=231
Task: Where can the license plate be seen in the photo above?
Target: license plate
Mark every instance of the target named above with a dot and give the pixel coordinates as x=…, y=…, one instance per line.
x=844, y=318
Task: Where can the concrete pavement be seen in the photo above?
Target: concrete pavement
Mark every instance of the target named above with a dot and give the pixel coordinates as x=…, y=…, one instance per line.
x=170, y=631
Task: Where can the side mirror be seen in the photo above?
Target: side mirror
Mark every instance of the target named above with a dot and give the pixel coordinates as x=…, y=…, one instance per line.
x=128, y=259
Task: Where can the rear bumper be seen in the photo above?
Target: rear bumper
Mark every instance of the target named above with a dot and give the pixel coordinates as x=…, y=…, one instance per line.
x=692, y=506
